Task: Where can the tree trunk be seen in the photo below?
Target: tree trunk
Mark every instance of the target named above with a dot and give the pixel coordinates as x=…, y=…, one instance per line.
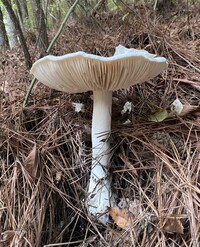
x=18, y=29
x=19, y=14
x=3, y=35
x=40, y=23
x=11, y=31
x=24, y=9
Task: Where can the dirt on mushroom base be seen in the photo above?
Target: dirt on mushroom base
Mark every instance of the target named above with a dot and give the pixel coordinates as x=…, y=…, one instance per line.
x=45, y=149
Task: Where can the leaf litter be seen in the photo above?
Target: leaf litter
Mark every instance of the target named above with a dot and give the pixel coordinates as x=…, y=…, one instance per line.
x=46, y=149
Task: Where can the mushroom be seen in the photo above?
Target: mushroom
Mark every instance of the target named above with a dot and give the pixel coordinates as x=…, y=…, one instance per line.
x=80, y=72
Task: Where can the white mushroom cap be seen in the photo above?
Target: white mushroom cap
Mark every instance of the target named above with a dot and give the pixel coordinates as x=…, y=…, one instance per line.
x=81, y=72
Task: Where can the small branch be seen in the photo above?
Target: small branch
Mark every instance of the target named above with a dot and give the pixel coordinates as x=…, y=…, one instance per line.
x=98, y=6
x=155, y=5
x=49, y=49
x=187, y=61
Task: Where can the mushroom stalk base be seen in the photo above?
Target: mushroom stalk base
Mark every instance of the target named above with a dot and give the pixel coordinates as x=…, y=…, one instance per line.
x=99, y=185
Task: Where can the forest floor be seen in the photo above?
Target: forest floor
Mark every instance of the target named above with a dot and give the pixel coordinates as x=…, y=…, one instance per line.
x=45, y=147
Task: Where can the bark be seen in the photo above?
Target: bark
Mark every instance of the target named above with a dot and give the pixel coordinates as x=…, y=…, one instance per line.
x=22, y=12
x=24, y=9
x=40, y=22
x=11, y=31
x=3, y=35
x=19, y=14
x=18, y=29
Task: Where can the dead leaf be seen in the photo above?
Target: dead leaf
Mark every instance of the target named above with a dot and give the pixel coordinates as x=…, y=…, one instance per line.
x=173, y=225
x=189, y=109
x=158, y=116
x=30, y=162
x=120, y=216
x=181, y=110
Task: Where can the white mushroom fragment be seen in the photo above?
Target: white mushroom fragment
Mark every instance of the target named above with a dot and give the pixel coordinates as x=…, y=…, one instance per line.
x=127, y=107
x=78, y=107
x=81, y=72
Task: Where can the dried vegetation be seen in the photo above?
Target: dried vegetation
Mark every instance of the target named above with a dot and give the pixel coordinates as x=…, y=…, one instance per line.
x=45, y=148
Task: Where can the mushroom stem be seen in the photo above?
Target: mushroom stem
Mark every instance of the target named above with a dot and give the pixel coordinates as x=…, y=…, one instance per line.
x=99, y=184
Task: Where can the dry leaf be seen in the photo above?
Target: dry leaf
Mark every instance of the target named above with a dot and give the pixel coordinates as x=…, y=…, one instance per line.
x=158, y=116
x=189, y=109
x=173, y=225
x=30, y=162
x=181, y=110
x=120, y=216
